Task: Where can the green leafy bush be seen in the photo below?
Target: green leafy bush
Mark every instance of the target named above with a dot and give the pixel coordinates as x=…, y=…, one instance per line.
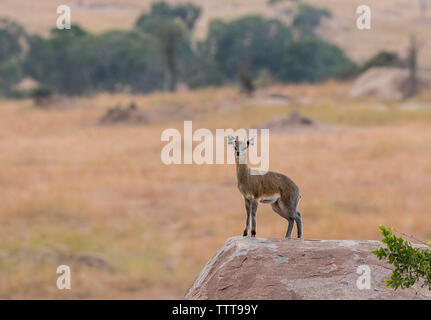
x=381, y=59
x=411, y=264
x=314, y=60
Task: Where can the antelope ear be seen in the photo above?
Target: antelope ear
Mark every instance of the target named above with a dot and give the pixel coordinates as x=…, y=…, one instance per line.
x=230, y=140
x=250, y=142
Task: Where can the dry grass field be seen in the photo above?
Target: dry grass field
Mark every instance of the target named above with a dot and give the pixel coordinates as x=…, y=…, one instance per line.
x=393, y=21
x=99, y=199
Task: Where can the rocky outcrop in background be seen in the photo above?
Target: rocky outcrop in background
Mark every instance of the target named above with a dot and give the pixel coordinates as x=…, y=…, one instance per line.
x=388, y=83
x=253, y=268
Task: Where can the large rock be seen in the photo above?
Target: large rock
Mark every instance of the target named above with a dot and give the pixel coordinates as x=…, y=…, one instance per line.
x=388, y=83
x=253, y=268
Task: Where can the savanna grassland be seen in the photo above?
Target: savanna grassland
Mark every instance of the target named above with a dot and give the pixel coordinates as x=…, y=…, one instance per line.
x=99, y=199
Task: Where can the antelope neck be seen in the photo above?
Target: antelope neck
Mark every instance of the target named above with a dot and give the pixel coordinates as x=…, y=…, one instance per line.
x=242, y=173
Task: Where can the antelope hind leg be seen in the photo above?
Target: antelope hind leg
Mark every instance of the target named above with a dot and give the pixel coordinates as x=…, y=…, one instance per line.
x=298, y=220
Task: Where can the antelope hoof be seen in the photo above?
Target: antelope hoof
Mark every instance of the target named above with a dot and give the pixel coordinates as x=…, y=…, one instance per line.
x=253, y=234
x=245, y=233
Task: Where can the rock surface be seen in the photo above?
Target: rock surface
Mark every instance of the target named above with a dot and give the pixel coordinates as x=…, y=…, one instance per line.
x=253, y=268
x=388, y=83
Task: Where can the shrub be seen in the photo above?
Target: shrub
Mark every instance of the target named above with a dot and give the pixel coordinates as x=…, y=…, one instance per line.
x=314, y=60
x=411, y=264
x=41, y=96
x=381, y=59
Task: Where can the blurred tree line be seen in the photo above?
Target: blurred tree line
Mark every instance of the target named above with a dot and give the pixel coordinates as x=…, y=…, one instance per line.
x=159, y=52
x=12, y=37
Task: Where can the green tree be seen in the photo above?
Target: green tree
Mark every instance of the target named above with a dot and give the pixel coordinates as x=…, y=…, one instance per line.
x=412, y=65
x=78, y=62
x=314, y=60
x=200, y=68
x=411, y=265
x=260, y=41
x=308, y=18
x=121, y=59
x=12, y=43
x=246, y=77
x=188, y=13
x=172, y=36
x=59, y=62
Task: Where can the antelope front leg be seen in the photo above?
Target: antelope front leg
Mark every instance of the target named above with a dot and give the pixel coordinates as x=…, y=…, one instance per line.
x=247, y=209
x=253, y=208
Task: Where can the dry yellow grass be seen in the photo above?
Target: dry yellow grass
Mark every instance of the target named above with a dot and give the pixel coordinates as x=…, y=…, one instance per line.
x=70, y=186
x=393, y=21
